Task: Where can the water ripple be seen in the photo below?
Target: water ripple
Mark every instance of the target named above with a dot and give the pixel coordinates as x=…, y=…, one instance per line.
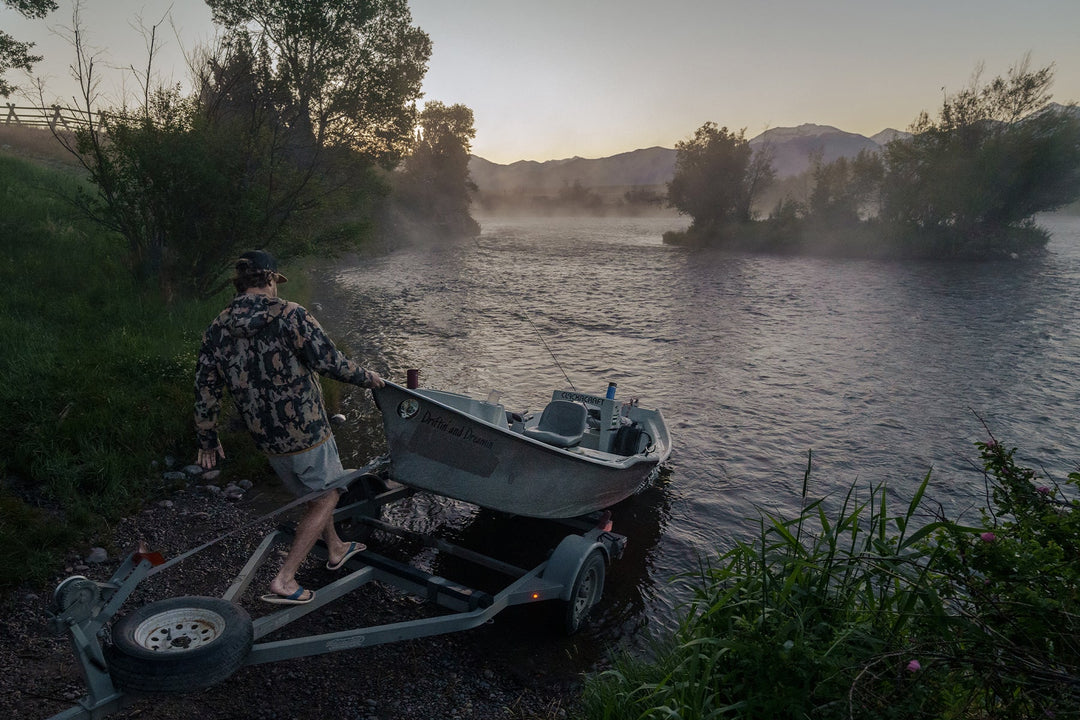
x=882, y=370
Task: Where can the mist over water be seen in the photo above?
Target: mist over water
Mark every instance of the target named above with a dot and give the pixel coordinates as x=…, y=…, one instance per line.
x=879, y=368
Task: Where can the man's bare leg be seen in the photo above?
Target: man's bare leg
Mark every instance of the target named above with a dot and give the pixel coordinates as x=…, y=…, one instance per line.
x=319, y=514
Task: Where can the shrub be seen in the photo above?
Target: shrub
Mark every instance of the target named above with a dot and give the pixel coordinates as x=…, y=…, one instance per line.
x=860, y=614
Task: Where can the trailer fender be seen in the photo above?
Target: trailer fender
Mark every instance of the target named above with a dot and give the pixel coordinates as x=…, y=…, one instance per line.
x=565, y=562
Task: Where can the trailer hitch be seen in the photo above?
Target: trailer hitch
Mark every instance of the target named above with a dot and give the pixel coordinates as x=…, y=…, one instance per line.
x=81, y=608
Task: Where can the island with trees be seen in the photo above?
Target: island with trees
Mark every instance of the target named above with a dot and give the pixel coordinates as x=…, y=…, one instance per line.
x=964, y=185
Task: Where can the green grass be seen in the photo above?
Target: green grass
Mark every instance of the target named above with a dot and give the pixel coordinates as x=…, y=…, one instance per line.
x=863, y=613
x=97, y=375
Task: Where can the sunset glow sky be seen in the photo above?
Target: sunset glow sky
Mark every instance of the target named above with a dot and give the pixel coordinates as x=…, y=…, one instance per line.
x=560, y=78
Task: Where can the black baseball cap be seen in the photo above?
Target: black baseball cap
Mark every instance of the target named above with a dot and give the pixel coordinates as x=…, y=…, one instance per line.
x=260, y=260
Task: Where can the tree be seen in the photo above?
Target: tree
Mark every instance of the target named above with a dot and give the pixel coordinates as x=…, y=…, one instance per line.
x=351, y=69
x=969, y=182
x=844, y=191
x=190, y=180
x=434, y=187
x=15, y=55
x=717, y=177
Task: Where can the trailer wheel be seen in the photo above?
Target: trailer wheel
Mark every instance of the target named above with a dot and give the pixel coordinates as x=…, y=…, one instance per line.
x=178, y=645
x=586, y=591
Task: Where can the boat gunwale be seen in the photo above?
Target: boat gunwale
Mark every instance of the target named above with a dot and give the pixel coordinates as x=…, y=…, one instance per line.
x=626, y=462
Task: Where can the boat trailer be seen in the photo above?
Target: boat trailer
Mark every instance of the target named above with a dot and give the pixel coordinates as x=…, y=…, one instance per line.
x=181, y=644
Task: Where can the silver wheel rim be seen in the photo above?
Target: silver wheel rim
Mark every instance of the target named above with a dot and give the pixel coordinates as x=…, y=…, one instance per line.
x=584, y=598
x=180, y=630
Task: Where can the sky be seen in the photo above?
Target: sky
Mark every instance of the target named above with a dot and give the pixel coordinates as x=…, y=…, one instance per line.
x=563, y=78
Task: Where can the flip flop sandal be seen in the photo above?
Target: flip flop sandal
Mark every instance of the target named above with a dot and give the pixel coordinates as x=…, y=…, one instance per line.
x=296, y=598
x=354, y=547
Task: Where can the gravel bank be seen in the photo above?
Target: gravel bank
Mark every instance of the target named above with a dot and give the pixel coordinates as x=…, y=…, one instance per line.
x=518, y=666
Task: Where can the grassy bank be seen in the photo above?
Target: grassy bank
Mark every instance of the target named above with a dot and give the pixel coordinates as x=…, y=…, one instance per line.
x=860, y=612
x=97, y=375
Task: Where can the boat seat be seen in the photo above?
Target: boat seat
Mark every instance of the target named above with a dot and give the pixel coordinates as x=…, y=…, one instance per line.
x=562, y=424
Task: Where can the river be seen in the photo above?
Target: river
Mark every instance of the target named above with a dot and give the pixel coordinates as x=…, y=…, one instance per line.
x=885, y=370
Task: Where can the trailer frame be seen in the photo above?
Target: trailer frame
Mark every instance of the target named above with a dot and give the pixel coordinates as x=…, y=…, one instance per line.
x=83, y=609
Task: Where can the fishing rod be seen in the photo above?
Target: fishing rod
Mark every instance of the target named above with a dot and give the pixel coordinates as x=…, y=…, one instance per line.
x=525, y=312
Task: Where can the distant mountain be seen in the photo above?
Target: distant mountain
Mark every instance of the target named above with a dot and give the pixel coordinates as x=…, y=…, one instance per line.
x=792, y=148
x=653, y=166
x=887, y=135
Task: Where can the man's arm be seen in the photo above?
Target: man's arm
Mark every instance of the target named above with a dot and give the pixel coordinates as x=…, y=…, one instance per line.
x=209, y=388
x=320, y=354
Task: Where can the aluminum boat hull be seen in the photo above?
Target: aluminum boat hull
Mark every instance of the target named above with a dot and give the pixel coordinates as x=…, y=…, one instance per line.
x=450, y=445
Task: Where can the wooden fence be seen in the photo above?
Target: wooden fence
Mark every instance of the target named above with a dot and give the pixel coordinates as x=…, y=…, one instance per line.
x=50, y=116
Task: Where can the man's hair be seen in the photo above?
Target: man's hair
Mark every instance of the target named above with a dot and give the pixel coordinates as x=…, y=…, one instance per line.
x=247, y=276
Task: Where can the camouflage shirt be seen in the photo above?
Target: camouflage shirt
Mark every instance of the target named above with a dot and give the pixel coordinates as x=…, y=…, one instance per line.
x=269, y=354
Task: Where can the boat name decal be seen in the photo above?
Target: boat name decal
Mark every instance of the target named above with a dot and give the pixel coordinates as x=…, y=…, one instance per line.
x=459, y=431
x=580, y=397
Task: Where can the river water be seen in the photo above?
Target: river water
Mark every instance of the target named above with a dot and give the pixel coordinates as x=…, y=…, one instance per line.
x=884, y=370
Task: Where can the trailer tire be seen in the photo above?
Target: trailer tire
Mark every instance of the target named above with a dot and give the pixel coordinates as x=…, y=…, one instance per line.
x=587, y=588
x=178, y=645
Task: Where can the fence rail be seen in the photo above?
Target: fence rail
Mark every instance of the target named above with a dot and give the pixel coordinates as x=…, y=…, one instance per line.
x=50, y=116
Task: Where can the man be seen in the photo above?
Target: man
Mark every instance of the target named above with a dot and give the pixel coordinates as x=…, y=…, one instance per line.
x=269, y=354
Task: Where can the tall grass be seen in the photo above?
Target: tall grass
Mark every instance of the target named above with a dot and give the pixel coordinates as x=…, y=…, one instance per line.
x=862, y=613
x=97, y=375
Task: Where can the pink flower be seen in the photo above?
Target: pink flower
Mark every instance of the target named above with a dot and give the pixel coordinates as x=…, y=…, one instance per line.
x=988, y=537
x=914, y=666
x=1042, y=490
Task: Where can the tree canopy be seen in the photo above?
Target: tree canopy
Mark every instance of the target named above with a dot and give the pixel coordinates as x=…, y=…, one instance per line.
x=997, y=154
x=717, y=177
x=352, y=69
x=966, y=184
x=434, y=187
x=276, y=147
x=15, y=55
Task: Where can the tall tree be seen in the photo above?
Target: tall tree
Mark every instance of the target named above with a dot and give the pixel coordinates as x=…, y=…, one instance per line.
x=15, y=55
x=351, y=68
x=717, y=177
x=997, y=154
x=845, y=190
x=434, y=187
x=188, y=180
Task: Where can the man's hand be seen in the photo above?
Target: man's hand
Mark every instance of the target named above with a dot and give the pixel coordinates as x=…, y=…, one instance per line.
x=374, y=380
x=208, y=458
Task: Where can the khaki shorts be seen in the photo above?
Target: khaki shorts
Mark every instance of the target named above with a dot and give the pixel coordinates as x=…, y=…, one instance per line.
x=310, y=470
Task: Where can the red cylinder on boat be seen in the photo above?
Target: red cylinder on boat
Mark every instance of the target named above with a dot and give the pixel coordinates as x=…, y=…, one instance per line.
x=412, y=378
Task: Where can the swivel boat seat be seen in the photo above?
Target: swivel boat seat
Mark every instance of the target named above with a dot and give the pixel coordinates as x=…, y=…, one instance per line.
x=562, y=424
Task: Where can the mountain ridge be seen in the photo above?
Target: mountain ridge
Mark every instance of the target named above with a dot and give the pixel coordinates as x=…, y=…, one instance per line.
x=792, y=149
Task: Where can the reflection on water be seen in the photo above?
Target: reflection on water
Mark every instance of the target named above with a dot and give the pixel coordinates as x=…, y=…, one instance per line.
x=880, y=368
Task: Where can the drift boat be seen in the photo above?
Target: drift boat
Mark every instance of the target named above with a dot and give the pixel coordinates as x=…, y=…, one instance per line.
x=581, y=454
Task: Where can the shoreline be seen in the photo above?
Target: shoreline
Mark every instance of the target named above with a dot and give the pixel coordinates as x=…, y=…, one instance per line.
x=515, y=667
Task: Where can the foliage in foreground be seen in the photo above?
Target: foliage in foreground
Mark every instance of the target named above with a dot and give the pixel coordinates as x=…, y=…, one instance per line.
x=863, y=614
x=97, y=376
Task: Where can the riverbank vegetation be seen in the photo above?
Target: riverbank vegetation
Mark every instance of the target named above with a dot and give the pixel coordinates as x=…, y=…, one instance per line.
x=97, y=375
x=863, y=612
x=98, y=371
x=300, y=134
x=113, y=265
x=964, y=185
